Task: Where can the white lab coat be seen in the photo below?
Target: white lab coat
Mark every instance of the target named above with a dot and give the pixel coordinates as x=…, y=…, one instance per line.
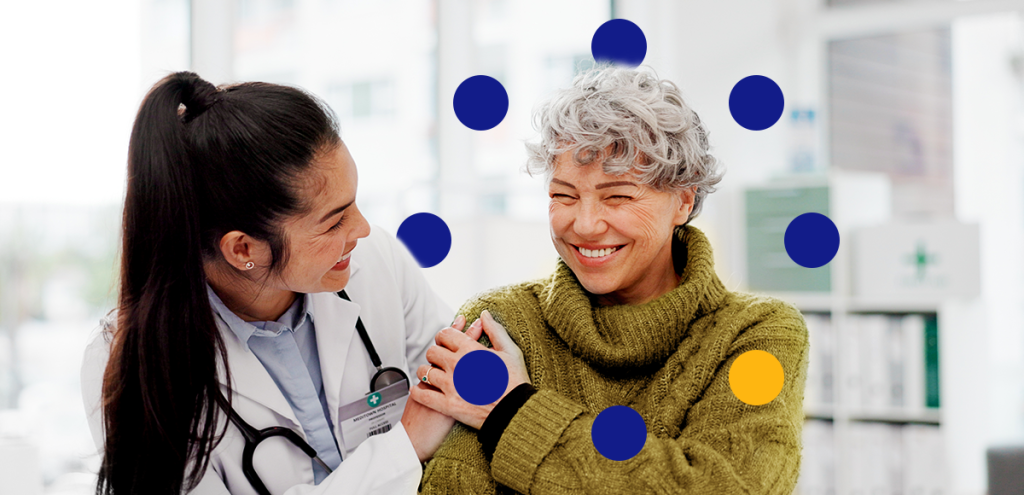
x=401, y=313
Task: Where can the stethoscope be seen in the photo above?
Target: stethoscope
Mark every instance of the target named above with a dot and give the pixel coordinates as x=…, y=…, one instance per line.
x=253, y=437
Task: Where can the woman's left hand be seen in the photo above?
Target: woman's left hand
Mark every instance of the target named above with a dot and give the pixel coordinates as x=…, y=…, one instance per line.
x=441, y=395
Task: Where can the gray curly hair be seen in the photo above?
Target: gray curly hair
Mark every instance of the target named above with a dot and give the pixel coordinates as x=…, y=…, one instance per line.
x=652, y=133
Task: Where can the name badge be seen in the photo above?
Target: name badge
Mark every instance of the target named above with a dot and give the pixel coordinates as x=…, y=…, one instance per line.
x=374, y=414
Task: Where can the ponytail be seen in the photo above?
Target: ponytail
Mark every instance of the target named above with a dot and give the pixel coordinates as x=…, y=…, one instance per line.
x=196, y=159
x=160, y=386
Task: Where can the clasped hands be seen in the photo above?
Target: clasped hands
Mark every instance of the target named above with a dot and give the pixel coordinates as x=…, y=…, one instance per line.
x=451, y=344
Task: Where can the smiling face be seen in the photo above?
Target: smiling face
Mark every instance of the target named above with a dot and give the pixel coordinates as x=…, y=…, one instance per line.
x=614, y=232
x=320, y=242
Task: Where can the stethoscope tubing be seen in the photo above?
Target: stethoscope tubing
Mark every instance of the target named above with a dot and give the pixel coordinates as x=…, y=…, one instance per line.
x=253, y=437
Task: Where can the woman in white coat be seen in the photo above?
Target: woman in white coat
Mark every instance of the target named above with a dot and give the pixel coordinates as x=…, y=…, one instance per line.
x=239, y=243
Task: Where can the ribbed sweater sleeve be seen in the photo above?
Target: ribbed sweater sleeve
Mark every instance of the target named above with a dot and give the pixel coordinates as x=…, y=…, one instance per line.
x=502, y=414
x=531, y=436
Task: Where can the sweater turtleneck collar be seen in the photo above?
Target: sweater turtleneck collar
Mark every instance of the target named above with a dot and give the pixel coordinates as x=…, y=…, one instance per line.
x=634, y=336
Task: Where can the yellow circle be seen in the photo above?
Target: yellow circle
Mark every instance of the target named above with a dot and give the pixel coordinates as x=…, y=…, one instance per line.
x=756, y=377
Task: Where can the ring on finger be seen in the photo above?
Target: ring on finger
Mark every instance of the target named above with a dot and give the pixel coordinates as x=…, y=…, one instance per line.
x=426, y=377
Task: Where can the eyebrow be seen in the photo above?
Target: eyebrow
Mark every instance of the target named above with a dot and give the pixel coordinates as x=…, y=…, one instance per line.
x=336, y=211
x=599, y=186
x=616, y=183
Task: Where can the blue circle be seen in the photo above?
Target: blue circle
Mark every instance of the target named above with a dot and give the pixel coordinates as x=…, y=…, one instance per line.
x=756, y=103
x=427, y=237
x=619, y=433
x=480, y=377
x=812, y=240
x=481, y=103
x=619, y=41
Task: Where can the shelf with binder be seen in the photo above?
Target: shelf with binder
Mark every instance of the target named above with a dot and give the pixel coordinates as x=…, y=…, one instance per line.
x=872, y=399
x=890, y=366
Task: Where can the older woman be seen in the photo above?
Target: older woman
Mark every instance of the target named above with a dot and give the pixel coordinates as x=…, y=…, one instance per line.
x=633, y=315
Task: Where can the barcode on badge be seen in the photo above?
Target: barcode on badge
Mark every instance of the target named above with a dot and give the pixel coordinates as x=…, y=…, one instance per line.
x=383, y=429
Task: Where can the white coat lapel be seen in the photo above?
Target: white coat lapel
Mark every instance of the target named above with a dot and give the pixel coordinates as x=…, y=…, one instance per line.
x=250, y=379
x=335, y=320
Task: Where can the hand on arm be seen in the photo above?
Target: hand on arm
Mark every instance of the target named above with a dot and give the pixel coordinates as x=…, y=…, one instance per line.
x=426, y=427
x=441, y=395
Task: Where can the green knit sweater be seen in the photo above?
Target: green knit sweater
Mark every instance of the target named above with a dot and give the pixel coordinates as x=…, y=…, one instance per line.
x=669, y=360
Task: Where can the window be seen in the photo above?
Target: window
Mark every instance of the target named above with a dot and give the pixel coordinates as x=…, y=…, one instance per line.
x=363, y=100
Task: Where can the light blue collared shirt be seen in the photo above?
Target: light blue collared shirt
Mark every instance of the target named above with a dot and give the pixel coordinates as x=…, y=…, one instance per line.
x=287, y=348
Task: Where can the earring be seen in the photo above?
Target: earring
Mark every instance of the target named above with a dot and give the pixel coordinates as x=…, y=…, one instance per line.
x=249, y=265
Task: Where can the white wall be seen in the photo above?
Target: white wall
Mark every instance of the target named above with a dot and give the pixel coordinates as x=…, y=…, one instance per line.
x=71, y=72
x=989, y=179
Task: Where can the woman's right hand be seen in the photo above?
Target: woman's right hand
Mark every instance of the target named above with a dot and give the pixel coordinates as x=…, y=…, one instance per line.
x=426, y=427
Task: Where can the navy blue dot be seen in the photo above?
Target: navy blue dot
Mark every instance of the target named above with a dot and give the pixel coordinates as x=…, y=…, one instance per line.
x=480, y=377
x=812, y=240
x=619, y=433
x=427, y=237
x=756, y=103
x=481, y=103
x=619, y=41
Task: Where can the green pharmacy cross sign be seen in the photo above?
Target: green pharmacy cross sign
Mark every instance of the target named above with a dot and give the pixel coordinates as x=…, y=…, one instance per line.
x=921, y=258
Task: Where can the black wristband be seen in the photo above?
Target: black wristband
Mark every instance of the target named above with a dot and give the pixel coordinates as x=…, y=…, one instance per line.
x=499, y=418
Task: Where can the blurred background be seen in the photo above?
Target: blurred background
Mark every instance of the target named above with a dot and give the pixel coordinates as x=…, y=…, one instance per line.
x=904, y=122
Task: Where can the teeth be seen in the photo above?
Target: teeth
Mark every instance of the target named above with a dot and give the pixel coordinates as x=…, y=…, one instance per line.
x=345, y=257
x=596, y=253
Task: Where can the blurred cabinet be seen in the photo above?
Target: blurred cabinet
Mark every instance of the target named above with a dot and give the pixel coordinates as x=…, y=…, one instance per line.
x=768, y=212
